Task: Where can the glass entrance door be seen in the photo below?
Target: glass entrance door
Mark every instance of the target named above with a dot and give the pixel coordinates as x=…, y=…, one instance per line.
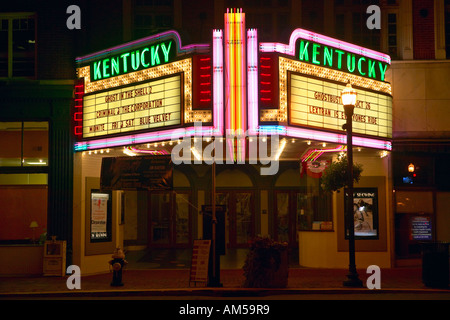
x=169, y=219
x=240, y=219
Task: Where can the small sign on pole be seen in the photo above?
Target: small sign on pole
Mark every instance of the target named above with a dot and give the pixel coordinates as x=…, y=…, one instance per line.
x=200, y=260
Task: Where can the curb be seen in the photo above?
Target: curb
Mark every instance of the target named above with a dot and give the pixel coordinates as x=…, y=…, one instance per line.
x=216, y=292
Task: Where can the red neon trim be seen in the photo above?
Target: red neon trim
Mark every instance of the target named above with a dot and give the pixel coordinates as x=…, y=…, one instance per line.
x=205, y=100
x=266, y=99
x=205, y=75
x=266, y=74
x=76, y=118
x=265, y=58
x=266, y=91
x=78, y=130
x=266, y=83
x=208, y=67
x=268, y=67
x=205, y=83
x=205, y=59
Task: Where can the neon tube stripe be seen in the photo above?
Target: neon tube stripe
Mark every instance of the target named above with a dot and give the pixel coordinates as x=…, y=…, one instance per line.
x=310, y=134
x=218, y=80
x=252, y=80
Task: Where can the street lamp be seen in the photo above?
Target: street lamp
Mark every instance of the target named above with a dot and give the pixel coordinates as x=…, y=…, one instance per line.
x=349, y=101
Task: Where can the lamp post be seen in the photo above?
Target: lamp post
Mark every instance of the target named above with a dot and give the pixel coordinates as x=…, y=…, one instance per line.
x=349, y=101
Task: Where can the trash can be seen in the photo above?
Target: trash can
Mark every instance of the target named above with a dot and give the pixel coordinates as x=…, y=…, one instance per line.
x=435, y=265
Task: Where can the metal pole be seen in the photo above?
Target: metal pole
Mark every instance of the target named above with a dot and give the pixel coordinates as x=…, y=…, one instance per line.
x=353, y=279
x=214, y=218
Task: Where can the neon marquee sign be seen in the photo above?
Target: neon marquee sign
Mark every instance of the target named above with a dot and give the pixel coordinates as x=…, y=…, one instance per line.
x=334, y=58
x=320, y=50
x=140, y=58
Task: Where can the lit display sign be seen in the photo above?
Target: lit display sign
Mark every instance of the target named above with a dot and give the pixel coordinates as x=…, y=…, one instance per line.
x=325, y=56
x=365, y=213
x=140, y=58
x=317, y=103
x=421, y=228
x=149, y=105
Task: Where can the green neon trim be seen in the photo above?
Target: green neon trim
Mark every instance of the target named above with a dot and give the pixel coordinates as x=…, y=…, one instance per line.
x=327, y=56
x=105, y=68
x=166, y=51
x=135, y=60
x=146, y=65
x=382, y=70
x=340, y=53
x=125, y=63
x=315, y=53
x=155, y=56
x=351, y=62
x=372, y=73
x=303, y=54
x=359, y=66
x=97, y=71
x=114, y=66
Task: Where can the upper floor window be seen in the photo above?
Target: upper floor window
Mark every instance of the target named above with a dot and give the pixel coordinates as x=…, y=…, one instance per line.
x=23, y=144
x=152, y=16
x=17, y=45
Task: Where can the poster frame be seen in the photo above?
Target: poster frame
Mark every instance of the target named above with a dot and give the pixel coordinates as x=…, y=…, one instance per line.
x=358, y=195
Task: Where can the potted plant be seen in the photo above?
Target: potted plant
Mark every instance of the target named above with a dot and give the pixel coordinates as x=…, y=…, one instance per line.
x=266, y=264
x=335, y=176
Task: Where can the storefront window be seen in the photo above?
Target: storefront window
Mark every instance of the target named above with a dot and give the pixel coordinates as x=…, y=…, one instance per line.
x=314, y=210
x=23, y=217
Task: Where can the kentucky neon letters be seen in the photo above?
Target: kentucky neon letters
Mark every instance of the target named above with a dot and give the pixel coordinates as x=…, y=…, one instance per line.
x=141, y=58
x=329, y=57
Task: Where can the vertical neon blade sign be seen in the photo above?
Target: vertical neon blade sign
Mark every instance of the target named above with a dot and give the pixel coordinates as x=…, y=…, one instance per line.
x=235, y=56
x=218, y=80
x=252, y=65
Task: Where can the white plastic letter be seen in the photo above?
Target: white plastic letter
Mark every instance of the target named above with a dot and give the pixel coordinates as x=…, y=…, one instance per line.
x=374, y=281
x=374, y=21
x=74, y=21
x=73, y=281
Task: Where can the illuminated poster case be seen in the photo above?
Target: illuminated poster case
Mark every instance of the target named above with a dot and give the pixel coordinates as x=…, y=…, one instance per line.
x=365, y=213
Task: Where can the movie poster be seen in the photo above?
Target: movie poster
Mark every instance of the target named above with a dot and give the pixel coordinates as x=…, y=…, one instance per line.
x=99, y=215
x=365, y=213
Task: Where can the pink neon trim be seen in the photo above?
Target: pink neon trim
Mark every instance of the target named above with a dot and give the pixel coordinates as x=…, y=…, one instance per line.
x=299, y=33
x=252, y=62
x=218, y=103
x=336, y=138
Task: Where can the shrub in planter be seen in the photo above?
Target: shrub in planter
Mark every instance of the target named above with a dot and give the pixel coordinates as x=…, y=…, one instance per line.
x=335, y=175
x=266, y=264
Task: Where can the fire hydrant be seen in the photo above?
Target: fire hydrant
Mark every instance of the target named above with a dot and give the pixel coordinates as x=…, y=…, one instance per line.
x=118, y=262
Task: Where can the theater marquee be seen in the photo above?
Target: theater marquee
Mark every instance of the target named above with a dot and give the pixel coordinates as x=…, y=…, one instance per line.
x=317, y=103
x=149, y=105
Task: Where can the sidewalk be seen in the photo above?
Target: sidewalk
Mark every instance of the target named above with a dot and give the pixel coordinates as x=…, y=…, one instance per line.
x=165, y=282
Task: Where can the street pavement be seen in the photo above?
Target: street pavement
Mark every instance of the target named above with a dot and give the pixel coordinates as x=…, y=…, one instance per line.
x=175, y=283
